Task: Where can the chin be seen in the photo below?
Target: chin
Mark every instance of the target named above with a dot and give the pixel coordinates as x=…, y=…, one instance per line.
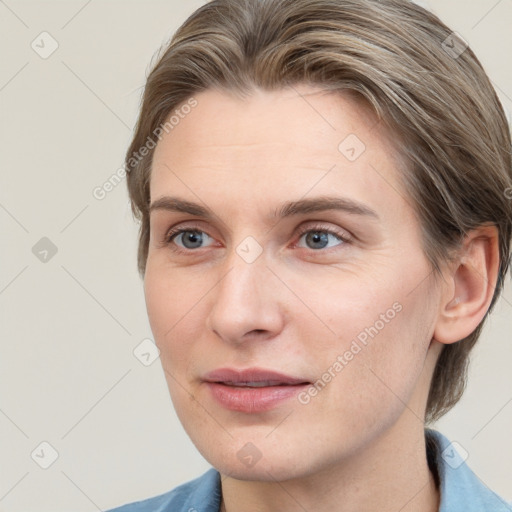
x=263, y=471
x=254, y=458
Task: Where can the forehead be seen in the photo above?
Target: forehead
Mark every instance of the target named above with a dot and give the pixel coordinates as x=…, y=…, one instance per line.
x=303, y=117
x=291, y=142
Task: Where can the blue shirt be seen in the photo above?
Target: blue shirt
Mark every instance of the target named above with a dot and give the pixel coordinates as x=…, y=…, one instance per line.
x=460, y=489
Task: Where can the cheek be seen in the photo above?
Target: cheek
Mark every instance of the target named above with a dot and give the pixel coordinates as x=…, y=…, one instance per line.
x=380, y=330
x=170, y=305
x=397, y=357
x=159, y=303
x=176, y=303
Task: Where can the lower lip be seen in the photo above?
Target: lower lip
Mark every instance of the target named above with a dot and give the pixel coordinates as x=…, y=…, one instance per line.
x=246, y=399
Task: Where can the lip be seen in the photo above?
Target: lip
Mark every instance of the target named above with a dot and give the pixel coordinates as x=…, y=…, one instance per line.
x=226, y=386
x=231, y=375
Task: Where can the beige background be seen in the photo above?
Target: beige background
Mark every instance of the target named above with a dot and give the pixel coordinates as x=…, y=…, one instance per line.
x=68, y=375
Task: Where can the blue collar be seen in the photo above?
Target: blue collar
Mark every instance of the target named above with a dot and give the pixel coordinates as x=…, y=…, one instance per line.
x=460, y=488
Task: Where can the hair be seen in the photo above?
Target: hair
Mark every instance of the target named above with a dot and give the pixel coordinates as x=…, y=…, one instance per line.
x=415, y=73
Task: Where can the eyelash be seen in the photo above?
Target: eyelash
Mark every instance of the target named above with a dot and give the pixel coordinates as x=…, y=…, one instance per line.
x=174, y=232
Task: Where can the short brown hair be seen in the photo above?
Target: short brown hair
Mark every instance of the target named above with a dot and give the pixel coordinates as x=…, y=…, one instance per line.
x=418, y=76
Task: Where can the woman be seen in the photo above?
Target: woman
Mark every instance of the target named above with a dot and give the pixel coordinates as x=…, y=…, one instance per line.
x=322, y=190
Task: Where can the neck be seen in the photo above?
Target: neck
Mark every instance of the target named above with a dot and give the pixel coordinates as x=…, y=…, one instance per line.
x=390, y=473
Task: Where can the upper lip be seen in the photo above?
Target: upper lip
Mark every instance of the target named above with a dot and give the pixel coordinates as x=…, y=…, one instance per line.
x=233, y=376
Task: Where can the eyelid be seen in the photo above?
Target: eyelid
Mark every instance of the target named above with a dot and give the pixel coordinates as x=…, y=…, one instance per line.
x=342, y=234
x=173, y=232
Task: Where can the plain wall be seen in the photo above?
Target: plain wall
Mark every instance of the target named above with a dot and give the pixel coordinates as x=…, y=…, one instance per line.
x=69, y=325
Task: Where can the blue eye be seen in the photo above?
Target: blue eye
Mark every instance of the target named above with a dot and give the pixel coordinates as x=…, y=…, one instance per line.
x=190, y=239
x=321, y=239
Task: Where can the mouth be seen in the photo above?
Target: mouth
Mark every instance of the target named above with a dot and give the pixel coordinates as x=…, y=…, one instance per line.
x=252, y=377
x=256, y=384
x=252, y=390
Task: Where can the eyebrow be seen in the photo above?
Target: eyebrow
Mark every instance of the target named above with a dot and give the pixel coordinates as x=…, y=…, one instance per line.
x=288, y=209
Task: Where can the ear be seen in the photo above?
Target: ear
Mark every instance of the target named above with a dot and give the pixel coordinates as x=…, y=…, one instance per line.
x=469, y=286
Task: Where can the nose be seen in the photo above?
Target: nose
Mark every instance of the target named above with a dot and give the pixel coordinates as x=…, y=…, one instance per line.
x=245, y=305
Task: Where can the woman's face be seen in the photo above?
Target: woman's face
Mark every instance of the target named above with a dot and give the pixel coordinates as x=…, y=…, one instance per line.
x=295, y=250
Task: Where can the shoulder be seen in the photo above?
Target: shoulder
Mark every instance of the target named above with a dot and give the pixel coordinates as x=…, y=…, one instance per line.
x=460, y=488
x=199, y=495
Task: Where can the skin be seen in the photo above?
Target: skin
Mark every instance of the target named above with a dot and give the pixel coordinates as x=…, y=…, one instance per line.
x=358, y=445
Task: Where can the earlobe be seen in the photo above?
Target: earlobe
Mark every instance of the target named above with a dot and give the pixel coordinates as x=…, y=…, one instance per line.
x=470, y=286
